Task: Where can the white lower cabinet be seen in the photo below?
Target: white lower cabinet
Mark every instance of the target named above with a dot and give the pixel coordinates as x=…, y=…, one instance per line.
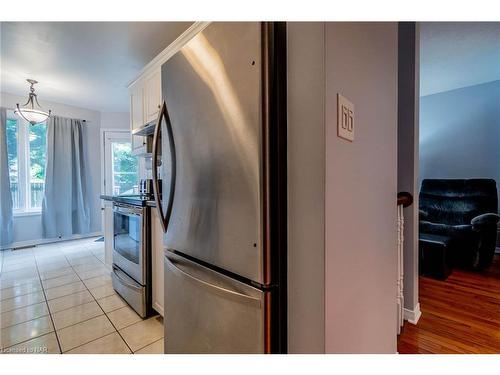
x=157, y=261
x=108, y=232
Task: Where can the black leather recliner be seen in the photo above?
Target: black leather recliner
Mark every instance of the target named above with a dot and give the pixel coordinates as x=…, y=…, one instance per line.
x=466, y=211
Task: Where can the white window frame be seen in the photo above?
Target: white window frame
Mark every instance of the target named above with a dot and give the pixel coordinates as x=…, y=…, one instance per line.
x=23, y=165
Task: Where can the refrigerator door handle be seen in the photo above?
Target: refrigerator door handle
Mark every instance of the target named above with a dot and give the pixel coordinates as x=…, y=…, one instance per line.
x=164, y=216
x=240, y=296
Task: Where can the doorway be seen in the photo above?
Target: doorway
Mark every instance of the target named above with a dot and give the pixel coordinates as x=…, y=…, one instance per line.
x=120, y=171
x=438, y=127
x=121, y=168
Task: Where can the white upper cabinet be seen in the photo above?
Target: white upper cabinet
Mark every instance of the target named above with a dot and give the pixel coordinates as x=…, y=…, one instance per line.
x=137, y=105
x=145, y=103
x=145, y=89
x=137, y=115
x=152, y=95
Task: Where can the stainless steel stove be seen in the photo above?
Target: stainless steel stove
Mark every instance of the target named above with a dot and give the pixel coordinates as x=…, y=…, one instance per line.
x=132, y=252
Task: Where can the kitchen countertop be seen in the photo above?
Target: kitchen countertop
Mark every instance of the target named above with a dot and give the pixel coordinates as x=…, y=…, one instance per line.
x=129, y=199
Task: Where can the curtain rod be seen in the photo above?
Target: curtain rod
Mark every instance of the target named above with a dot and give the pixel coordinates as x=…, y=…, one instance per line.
x=81, y=119
x=74, y=118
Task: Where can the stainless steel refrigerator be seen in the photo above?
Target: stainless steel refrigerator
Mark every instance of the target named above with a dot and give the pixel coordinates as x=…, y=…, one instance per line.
x=220, y=141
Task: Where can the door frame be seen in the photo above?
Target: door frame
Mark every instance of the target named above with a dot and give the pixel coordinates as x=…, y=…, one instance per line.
x=408, y=157
x=103, y=136
x=110, y=135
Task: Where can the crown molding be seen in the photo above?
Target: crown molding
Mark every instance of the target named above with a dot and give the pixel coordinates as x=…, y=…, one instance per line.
x=168, y=52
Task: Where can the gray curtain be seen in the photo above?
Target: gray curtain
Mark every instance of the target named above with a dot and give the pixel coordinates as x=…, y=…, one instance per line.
x=65, y=207
x=5, y=194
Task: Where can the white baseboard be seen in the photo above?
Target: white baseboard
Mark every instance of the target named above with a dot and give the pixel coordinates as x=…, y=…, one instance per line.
x=48, y=240
x=158, y=308
x=412, y=316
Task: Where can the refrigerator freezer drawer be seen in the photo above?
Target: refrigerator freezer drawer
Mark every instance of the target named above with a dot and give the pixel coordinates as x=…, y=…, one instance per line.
x=207, y=312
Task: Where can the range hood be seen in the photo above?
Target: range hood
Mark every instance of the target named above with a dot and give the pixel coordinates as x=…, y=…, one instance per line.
x=145, y=130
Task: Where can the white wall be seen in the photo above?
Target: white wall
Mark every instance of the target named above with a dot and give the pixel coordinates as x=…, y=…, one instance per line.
x=361, y=182
x=342, y=260
x=29, y=228
x=306, y=187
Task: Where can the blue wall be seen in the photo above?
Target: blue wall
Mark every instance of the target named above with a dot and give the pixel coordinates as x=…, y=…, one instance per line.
x=460, y=133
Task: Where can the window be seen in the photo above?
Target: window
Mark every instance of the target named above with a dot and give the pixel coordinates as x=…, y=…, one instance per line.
x=27, y=152
x=121, y=168
x=124, y=177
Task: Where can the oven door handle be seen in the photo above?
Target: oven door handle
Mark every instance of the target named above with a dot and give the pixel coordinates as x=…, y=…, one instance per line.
x=164, y=216
x=117, y=272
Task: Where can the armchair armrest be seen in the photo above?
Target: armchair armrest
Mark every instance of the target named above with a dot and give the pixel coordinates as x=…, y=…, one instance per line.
x=486, y=226
x=485, y=219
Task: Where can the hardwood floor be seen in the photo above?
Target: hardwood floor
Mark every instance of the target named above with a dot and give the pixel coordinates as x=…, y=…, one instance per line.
x=459, y=315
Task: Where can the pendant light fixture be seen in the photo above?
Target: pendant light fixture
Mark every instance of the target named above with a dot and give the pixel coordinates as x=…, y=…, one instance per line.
x=28, y=111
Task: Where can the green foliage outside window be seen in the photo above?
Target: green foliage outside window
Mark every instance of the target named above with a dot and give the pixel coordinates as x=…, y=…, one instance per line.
x=37, y=138
x=124, y=168
x=38, y=151
x=12, y=146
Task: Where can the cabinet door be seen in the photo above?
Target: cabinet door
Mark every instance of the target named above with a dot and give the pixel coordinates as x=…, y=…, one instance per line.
x=157, y=261
x=153, y=96
x=137, y=114
x=108, y=232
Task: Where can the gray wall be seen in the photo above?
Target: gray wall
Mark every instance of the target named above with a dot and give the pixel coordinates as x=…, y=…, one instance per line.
x=306, y=188
x=460, y=133
x=361, y=183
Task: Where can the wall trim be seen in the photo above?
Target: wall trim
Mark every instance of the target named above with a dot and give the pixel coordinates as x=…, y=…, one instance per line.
x=172, y=48
x=158, y=308
x=44, y=241
x=412, y=316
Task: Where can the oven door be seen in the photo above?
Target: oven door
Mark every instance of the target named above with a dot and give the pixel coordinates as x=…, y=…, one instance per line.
x=129, y=241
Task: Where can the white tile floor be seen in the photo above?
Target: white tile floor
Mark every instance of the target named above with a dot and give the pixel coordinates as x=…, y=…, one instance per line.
x=58, y=298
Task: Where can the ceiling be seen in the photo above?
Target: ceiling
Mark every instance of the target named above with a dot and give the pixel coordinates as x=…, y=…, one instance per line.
x=85, y=64
x=458, y=54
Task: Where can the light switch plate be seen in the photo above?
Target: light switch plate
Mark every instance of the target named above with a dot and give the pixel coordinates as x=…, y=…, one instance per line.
x=345, y=118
